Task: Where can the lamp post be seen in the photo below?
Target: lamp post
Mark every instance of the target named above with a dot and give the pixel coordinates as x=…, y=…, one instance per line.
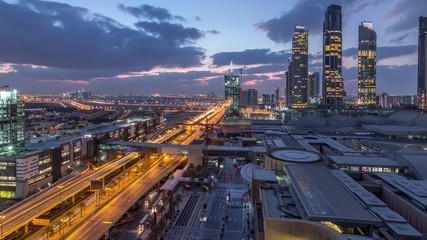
x=2, y=217
x=61, y=227
x=60, y=193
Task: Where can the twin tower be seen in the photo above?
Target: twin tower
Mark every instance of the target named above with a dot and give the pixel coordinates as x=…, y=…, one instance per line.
x=333, y=83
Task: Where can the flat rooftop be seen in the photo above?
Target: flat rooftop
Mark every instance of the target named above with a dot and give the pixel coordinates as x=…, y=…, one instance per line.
x=414, y=189
x=368, y=161
x=324, y=198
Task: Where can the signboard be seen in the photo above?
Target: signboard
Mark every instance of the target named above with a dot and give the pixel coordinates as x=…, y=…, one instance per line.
x=96, y=185
x=41, y=222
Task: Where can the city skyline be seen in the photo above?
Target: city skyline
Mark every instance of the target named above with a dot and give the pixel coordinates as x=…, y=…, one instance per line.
x=191, y=50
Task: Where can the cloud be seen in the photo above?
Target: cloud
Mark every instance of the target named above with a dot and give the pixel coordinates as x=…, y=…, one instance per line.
x=385, y=52
x=175, y=34
x=150, y=12
x=399, y=39
x=66, y=37
x=215, y=32
x=250, y=56
x=407, y=13
x=281, y=29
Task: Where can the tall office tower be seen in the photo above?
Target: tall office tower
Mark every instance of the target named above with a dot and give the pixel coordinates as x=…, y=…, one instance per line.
x=12, y=120
x=367, y=63
x=313, y=84
x=244, y=98
x=232, y=95
x=333, y=83
x=422, y=64
x=288, y=85
x=252, y=97
x=299, y=73
x=276, y=96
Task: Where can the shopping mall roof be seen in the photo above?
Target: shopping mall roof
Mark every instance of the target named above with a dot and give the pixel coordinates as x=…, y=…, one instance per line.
x=293, y=155
x=414, y=189
x=365, y=161
x=324, y=198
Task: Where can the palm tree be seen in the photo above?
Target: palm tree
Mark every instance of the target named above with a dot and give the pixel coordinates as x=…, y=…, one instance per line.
x=162, y=209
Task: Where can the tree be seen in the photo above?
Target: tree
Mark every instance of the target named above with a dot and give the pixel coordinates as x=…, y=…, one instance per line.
x=162, y=209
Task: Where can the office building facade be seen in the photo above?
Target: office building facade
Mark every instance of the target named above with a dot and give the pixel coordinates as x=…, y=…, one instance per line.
x=333, y=82
x=313, y=84
x=298, y=76
x=252, y=97
x=367, y=65
x=422, y=63
x=12, y=120
x=232, y=95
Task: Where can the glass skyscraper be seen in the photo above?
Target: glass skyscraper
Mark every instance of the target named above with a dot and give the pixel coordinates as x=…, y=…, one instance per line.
x=422, y=63
x=232, y=95
x=12, y=120
x=298, y=76
x=367, y=65
x=333, y=83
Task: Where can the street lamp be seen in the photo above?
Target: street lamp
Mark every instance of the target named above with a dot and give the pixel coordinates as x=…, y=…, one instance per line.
x=60, y=193
x=2, y=217
x=61, y=227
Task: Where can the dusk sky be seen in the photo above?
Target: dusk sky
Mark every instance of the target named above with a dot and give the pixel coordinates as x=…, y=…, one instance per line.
x=159, y=46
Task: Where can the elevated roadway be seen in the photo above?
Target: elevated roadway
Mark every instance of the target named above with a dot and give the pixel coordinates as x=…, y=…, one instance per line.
x=27, y=210
x=98, y=223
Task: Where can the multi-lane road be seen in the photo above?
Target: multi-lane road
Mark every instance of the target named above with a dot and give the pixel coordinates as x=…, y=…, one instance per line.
x=27, y=210
x=100, y=221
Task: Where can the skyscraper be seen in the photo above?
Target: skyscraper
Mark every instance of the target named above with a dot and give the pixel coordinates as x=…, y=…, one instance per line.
x=422, y=63
x=232, y=95
x=12, y=120
x=288, y=85
x=333, y=83
x=298, y=76
x=367, y=64
x=252, y=97
x=313, y=84
x=277, y=97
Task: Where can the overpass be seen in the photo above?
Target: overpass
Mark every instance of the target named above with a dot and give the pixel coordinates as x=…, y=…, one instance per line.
x=24, y=212
x=158, y=148
x=97, y=224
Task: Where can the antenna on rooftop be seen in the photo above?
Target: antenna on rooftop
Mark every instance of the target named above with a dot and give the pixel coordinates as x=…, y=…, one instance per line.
x=231, y=67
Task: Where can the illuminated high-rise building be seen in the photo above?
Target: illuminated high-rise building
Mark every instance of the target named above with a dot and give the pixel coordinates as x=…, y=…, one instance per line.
x=288, y=85
x=422, y=64
x=276, y=97
x=333, y=82
x=232, y=95
x=367, y=64
x=252, y=97
x=12, y=120
x=298, y=76
x=313, y=84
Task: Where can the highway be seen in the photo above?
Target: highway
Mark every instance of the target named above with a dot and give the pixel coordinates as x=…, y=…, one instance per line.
x=100, y=221
x=27, y=210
